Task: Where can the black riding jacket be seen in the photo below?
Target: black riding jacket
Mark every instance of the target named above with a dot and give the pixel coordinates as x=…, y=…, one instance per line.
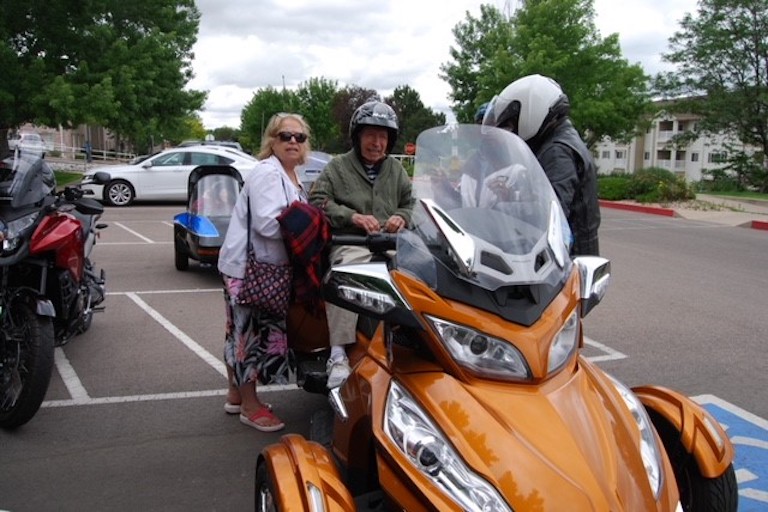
x=571, y=170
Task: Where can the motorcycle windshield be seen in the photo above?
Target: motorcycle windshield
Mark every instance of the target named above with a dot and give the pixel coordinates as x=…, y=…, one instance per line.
x=485, y=211
x=30, y=180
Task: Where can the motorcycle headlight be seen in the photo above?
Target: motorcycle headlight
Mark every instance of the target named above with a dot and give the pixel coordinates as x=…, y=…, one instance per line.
x=649, y=448
x=565, y=343
x=13, y=231
x=427, y=449
x=481, y=354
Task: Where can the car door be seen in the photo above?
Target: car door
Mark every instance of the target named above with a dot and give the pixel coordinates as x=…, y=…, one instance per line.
x=164, y=176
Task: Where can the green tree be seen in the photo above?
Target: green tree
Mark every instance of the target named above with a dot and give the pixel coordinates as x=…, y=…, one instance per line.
x=556, y=38
x=413, y=117
x=122, y=65
x=315, y=99
x=721, y=55
x=256, y=114
x=226, y=133
x=479, y=40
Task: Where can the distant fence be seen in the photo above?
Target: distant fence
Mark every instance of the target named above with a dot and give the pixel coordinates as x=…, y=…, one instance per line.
x=73, y=153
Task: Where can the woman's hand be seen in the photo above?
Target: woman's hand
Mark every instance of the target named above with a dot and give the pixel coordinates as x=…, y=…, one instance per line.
x=234, y=285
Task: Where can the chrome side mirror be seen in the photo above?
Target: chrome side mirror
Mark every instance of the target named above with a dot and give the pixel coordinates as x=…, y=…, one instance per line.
x=595, y=273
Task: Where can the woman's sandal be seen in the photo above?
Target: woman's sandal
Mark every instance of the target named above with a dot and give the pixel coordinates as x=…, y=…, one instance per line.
x=261, y=414
x=231, y=408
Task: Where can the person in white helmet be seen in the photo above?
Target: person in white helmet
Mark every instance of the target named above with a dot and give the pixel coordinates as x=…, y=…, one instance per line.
x=536, y=109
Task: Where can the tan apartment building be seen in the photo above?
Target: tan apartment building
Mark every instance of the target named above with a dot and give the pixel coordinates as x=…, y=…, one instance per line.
x=657, y=148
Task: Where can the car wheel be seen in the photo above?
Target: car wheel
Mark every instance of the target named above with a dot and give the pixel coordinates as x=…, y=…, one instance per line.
x=119, y=193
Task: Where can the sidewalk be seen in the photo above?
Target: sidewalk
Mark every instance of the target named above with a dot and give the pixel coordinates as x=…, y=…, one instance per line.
x=708, y=208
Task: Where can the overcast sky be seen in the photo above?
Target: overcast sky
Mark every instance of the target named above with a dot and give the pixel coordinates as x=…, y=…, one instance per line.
x=246, y=45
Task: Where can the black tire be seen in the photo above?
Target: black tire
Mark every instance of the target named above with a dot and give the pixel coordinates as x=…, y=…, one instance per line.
x=119, y=193
x=27, y=359
x=181, y=260
x=697, y=493
x=264, y=495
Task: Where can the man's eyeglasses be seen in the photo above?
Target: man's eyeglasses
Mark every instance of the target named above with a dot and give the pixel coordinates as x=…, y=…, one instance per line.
x=287, y=136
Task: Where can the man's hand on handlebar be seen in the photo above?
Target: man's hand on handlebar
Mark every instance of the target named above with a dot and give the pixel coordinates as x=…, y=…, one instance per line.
x=366, y=222
x=394, y=224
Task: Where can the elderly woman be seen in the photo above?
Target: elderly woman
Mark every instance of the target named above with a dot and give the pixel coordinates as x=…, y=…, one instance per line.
x=256, y=348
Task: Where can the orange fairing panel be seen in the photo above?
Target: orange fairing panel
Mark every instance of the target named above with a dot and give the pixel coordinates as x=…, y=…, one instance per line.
x=296, y=463
x=567, y=445
x=700, y=434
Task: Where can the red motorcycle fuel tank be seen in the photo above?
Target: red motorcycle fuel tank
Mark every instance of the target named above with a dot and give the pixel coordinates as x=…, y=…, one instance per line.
x=62, y=234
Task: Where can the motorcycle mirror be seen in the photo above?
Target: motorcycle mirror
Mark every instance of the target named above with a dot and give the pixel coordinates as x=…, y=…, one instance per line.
x=101, y=178
x=595, y=275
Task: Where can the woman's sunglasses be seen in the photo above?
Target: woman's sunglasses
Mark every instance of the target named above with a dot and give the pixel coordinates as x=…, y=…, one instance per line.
x=287, y=136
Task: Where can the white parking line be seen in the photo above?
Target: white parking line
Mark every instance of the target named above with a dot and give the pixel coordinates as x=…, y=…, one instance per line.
x=610, y=354
x=191, y=344
x=76, y=389
x=135, y=233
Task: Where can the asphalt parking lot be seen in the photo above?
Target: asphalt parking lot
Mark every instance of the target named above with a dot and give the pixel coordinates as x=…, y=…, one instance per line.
x=134, y=415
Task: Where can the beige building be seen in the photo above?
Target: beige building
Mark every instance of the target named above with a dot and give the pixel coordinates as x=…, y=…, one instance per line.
x=656, y=148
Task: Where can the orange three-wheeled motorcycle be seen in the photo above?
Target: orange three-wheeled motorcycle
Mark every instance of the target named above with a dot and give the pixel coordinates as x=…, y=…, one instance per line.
x=468, y=391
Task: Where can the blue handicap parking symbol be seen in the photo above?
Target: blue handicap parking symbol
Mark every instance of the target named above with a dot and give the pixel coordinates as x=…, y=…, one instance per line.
x=749, y=435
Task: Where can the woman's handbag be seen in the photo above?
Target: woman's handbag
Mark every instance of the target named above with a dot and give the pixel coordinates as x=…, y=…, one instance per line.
x=266, y=286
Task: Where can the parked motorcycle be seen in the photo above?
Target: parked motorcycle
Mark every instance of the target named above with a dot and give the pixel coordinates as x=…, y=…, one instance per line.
x=469, y=391
x=49, y=287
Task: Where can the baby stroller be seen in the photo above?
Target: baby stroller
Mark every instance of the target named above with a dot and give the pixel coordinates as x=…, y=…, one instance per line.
x=198, y=233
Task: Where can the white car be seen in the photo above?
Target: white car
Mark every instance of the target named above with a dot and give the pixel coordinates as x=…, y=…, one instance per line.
x=163, y=176
x=27, y=141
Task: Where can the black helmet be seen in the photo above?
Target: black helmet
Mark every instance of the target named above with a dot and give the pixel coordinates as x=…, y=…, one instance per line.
x=528, y=106
x=374, y=113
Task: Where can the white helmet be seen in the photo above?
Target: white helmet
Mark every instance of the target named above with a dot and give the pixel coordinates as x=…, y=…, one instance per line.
x=528, y=106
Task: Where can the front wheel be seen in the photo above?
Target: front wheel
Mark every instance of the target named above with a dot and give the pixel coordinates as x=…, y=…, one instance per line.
x=26, y=363
x=119, y=193
x=697, y=492
x=265, y=491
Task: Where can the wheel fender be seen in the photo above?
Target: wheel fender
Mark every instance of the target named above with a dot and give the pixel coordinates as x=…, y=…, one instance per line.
x=701, y=435
x=45, y=307
x=296, y=465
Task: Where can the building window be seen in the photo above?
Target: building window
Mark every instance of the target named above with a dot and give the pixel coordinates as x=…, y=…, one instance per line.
x=694, y=157
x=647, y=156
x=620, y=154
x=606, y=155
x=716, y=158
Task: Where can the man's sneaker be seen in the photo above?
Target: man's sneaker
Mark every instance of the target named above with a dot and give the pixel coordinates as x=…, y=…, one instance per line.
x=338, y=371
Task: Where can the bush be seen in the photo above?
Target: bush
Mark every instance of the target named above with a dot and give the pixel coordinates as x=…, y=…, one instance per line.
x=652, y=185
x=613, y=188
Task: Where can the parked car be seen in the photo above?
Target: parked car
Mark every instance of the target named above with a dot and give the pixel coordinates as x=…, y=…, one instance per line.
x=226, y=143
x=163, y=176
x=27, y=140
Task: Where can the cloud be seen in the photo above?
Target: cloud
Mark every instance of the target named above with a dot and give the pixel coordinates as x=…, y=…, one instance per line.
x=244, y=46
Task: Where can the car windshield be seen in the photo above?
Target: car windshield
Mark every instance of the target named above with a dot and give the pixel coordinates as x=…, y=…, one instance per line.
x=485, y=211
x=28, y=180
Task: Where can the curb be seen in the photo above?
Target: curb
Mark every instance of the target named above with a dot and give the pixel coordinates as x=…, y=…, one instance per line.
x=759, y=224
x=667, y=212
